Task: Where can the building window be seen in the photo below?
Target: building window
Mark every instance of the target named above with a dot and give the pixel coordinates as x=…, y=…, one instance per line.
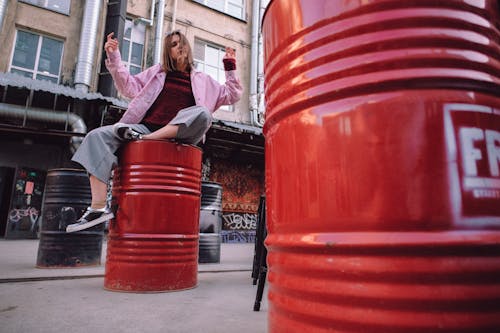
x=132, y=48
x=37, y=57
x=60, y=6
x=234, y=8
x=208, y=59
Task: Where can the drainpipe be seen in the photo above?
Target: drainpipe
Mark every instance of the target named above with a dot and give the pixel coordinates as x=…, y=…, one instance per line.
x=3, y=10
x=88, y=36
x=159, y=32
x=254, y=60
x=174, y=16
x=261, y=108
x=75, y=122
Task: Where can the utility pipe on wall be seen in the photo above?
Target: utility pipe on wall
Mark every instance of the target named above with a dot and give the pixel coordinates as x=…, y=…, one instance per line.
x=159, y=32
x=174, y=16
x=254, y=65
x=86, y=52
x=3, y=10
x=37, y=114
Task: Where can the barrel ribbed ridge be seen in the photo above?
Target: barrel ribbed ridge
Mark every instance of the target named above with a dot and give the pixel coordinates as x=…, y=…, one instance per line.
x=158, y=178
x=389, y=285
x=67, y=185
x=164, y=251
x=384, y=46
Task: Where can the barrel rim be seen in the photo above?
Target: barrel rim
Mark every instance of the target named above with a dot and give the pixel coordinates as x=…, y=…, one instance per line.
x=175, y=143
x=66, y=169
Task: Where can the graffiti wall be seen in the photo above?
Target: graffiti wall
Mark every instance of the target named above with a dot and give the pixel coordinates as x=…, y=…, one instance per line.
x=25, y=203
x=242, y=186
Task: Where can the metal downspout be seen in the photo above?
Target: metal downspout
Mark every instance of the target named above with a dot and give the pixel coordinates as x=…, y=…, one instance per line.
x=254, y=61
x=88, y=36
x=174, y=16
x=3, y=10
x=261, y=108
x=159, y=32
x=75, y=122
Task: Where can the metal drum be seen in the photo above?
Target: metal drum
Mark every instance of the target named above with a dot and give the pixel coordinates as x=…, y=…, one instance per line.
x=211, y=207
x=209, y=250
x=386, y=215
x=153, y=241
x=67, y=195
x=210, y=222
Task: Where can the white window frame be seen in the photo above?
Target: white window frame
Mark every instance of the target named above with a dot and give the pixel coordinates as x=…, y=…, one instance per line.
x=35, y=70
x=226, y=6
x=47, y=5
x=137, y=36
x=220, y=66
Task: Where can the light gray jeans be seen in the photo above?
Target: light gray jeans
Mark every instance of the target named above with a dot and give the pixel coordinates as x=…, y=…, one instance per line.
x=97, y=151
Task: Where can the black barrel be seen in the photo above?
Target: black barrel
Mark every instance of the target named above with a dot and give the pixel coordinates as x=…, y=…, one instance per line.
x=209, y=248
x=67, y=195
x=210, y=222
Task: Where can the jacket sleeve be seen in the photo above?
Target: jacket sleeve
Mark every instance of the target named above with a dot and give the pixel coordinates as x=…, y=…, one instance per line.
x=127, y=84
x=230, y=92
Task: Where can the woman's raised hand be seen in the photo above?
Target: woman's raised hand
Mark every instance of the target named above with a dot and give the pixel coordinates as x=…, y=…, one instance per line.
x=111, y=44
x=230, y=53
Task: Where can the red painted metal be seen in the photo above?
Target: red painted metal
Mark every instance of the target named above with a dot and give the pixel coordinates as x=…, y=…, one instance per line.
x=153, y=241
x=382, y=165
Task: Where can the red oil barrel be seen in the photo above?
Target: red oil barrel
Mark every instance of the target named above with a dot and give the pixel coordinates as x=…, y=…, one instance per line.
x=153, y=240
x=382, y=165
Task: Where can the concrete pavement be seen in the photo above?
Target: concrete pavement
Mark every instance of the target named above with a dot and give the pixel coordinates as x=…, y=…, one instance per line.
x=73, y=299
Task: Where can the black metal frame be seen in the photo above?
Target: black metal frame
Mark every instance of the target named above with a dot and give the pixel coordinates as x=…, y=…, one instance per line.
x=259, y=269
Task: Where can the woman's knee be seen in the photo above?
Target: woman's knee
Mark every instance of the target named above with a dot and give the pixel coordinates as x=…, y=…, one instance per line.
x=204, y=118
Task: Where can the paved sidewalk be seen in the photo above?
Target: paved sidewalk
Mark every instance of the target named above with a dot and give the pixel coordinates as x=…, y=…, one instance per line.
x=73, y=299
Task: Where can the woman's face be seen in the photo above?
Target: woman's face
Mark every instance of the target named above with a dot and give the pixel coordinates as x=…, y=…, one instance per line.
x=176, y=51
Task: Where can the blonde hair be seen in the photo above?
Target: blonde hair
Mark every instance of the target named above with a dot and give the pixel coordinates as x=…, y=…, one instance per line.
x=169, y=63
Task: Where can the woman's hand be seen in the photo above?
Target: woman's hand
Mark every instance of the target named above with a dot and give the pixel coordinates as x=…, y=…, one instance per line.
x=111, y=44
x=230, y=53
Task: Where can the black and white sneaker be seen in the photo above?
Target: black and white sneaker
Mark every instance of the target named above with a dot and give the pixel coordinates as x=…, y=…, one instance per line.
x=90, y=218
x=126, y=133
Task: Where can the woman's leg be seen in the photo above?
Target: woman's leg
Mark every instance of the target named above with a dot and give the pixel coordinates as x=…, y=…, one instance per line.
x=189, y=125
x=97, y=155
x=166, y=132
x=99, y=191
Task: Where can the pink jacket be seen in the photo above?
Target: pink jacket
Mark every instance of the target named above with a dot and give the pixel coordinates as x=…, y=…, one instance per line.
x=145, y=87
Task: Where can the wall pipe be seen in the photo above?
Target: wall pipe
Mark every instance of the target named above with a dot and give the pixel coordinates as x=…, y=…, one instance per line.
x=174, y=16
x=159, y=32
x=37, y=114
x=254, y=65
x=3, y=10
x=88, y=37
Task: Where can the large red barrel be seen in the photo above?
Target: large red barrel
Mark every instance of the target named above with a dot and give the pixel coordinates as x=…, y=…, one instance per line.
x=382, y=165
x=153, y=240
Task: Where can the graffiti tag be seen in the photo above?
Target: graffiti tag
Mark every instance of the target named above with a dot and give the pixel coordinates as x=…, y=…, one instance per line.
x=240, y=221
x=17, y=214
x=234, y=236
